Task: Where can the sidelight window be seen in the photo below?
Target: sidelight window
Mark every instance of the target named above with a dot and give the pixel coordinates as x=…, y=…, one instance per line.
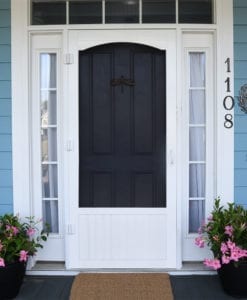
x=197, y=140
x=49, y=160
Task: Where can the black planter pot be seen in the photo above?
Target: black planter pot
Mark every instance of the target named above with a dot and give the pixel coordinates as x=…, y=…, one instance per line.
x=11, y=278
x=233, y=279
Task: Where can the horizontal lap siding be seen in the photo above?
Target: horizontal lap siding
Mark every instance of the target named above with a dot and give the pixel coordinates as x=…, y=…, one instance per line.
x=240, y=69
x=6, y=190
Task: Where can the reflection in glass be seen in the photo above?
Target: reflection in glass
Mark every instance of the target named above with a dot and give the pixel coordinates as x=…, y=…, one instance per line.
x=48, y=108
x=50, y=214
x=49, y=181
x=197, y=180
x=85, y=12
x=49, y=144
x=47, y=12
x=195, y=11
x=196, y=215
x=197, y=107
x=122, y=11
x=158, y=11
x=197, y=144
x=197, y=69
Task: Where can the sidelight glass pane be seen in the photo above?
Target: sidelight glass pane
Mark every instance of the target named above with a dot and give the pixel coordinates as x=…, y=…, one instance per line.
x=197, y=180
x=85, y=12
x=158, y=11
x=197, y=144
x=48, y=108
x=197, y=69
x=197, y=107
x=47, y=12
x=195, y=11
x=122, y=11
x=49, y=144
x=49, y=181
x=48, y=70
x=50, y=214
x=196, y=215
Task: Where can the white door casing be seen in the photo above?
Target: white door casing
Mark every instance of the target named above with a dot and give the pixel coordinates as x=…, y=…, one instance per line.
x=120, y=237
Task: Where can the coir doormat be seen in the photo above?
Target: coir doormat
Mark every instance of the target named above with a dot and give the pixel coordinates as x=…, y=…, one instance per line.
x=121, y=286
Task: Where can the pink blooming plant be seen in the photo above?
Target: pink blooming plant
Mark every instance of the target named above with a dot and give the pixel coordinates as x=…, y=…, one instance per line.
x=19, y=240
x=226, y=235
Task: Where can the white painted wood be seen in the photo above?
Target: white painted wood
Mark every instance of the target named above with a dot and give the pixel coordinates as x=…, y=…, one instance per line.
x=200, y=42
x=45, y=43
x=111, y=237
x=225, y=137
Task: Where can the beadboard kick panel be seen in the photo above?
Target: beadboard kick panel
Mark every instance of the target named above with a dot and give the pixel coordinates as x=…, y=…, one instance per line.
x=122, y=240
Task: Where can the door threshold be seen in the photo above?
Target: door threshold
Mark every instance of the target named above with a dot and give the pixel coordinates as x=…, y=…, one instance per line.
x=58, y=269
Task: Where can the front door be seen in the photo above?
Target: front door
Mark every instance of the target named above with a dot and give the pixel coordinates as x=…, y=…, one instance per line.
x=122, y=214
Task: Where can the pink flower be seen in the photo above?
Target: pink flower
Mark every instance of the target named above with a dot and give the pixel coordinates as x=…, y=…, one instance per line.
x=15, y=230
x=229, y=230
x=210, y=218
x=199, y=242
x=212, y=263
x=31, y=232
x=230, y=244
x=2, y=264
x=223, y=248
x=23, y=255
x=235, y=255
x=225, y=259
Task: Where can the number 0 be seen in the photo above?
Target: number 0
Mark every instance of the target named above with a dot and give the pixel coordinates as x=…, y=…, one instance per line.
x=228, y=105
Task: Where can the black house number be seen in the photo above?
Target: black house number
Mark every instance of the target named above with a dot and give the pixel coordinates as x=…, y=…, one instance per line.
x=228, y=101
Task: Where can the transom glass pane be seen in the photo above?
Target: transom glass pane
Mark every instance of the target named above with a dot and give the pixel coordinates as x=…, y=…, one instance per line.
x=45, y=12
x=158, y=11
x=122, y=11
x=85, y=12
x=195, y=11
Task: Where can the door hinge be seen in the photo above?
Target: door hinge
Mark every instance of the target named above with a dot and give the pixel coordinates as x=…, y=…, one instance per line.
x=69, y=59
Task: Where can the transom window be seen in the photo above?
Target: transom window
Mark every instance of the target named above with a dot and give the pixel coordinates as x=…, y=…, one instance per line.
x=50, y=12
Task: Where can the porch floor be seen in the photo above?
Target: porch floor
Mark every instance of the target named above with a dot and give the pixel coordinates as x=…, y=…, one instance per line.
x=191, y=287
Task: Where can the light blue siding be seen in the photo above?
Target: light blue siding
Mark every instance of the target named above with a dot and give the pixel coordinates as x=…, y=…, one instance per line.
x=240, y=71
x=5, y=108
x=6, y=182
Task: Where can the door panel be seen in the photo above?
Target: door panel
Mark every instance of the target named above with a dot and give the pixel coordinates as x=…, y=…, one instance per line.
x=122, y=132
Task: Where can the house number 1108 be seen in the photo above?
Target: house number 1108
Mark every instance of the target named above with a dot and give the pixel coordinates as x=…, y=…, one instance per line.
x=228, y=101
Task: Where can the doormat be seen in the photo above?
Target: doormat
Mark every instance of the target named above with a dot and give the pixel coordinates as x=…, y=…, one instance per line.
x=121, y=286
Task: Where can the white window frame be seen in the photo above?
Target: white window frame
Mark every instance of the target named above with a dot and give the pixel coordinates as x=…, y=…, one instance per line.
x=21, y=117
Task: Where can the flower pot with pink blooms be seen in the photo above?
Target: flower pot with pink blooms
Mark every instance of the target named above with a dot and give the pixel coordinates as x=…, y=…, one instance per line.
x=226, y=235
x=18, y=241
